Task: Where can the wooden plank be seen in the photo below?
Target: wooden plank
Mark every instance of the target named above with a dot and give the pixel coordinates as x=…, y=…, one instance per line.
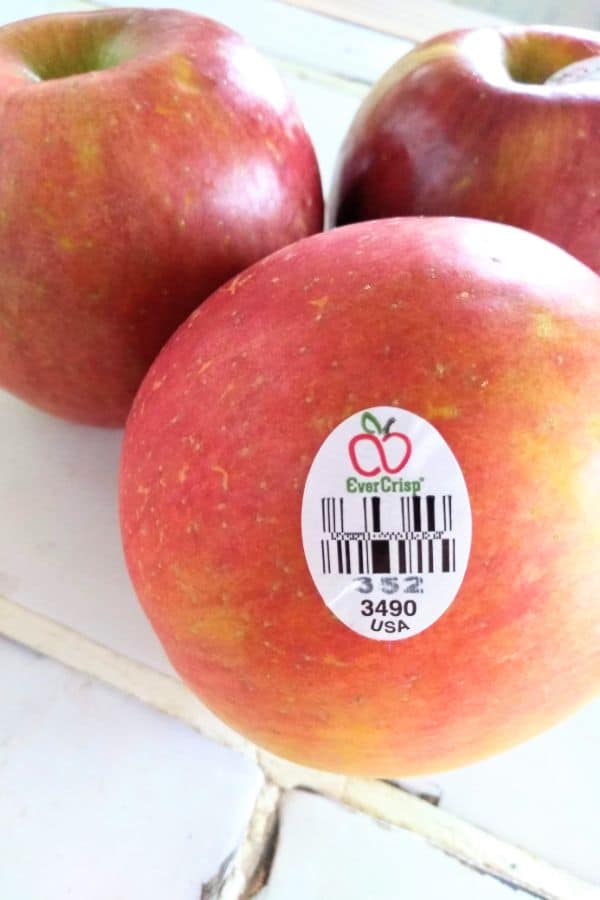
x=317, y=43
x=410, y=21
x=354, y=857
x=379, y=799
x=104, y=798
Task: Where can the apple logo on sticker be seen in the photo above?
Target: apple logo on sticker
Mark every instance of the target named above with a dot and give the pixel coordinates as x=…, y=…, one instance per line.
x=389, y=446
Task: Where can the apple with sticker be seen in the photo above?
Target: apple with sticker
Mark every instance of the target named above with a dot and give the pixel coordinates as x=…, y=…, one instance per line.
x=365, y=631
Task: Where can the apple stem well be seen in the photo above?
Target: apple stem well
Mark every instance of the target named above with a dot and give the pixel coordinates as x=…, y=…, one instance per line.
x=533, y=58
x=71, y=46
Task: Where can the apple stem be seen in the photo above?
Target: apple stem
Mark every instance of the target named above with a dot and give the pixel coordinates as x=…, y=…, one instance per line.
x=388, y=425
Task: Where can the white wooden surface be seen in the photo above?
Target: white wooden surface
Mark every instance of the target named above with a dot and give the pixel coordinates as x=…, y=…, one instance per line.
x=102, y=798
x=354, y=858
x=418, y=20
x=542, y=795
x=383, y=801
x=59, y=544
x=60, y=550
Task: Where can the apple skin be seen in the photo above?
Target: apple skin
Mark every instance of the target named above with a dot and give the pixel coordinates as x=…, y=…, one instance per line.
x=493, y=336
x=131, y=192
x=449, y=130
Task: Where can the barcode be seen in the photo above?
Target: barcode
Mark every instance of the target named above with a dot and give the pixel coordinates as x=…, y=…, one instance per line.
x=370, y=557
x=420, y=543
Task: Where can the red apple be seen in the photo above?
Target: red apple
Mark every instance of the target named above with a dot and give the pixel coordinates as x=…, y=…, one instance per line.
x=485, y=341
x=480, y=123
x=146, y=158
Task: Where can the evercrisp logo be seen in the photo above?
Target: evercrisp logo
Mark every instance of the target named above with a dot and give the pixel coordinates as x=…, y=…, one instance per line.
x=377, y=448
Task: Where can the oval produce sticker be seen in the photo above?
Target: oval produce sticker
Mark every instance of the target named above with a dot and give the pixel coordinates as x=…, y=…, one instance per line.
x=386, y=523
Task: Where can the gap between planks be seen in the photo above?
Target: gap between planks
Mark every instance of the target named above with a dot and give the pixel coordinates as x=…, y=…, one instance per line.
x=409, y=20
x=379, y=799
x=249, y=868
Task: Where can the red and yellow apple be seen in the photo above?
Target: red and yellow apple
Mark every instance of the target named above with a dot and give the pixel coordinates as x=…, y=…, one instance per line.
x=490, y=334
x=480, y=123
x=147, y=157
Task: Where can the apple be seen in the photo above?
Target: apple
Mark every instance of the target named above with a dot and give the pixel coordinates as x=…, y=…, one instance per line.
x=339, y=615
x=147, y=157
x=493, y=124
